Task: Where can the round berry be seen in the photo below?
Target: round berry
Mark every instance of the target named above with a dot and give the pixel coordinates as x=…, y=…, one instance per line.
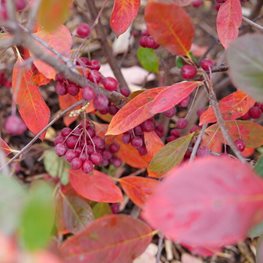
x=197, y=3
x=95, y=76
x=20, y=4
x=14, y=125
x=114, y=147
x=137, y=142
x=181, y=123
x=87, y=166
x=113, y=109
x=59, y=139
x=76, y=163
x=71, y=141
x=246, y=116
x=70, y=155
x=83, y=30
x=206, y=64
x=125, y=92
x=98, y=142
x=185, y=102
x=94, y=64
x=107, y=155
x=60, y=89
x=188, y=71
x=60, y=149
x=96, y=158
x=138, y=130
x=101, y=102
x=240, y=144
x=170, y=113
x=126, y=137
x=66, y=132
x=176, y=133
x=171, y=138
x=88, y=93
x=110, y=84
x=142, y=150
x=91, y=132
x=148, y=125
x=116, y=162
x=73, y=89
x=255, y=112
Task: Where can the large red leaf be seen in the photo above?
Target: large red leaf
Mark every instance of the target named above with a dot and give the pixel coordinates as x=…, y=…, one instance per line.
x=123, y=14
x=110, y=239
x=147, y=104
x=200, y=203
x=97, y=186
x=250, y=132
x=4, y=147
x=170, y=26
x=229, y=19
x=31, y=105
x=61, y=41
x=138, y=188
x=232, y=107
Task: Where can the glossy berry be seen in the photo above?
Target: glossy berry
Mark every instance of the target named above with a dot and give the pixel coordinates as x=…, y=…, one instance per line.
x=148, y=125
x=20, y=4
x=71, y=142
x=240, y=144
x=137, y=142
x=95, y=76
x=14, y=125
x=126, y=137
x=60, y=88
x=188, y=71
x=94, y=64
x=116, y=162
x=98, y=142
x=66, y=131
x=255, y=112
x=114, y=147
x=60, y=149
x=110, y=84
x=83, y=30
x=125, y=92
x=170, y=113
x=88, y=93
x=96, y=158
x=138, y=130
x=70, y=155
x=87, y=166
x=101, y=102
x=59, y=139
x=73, y=89
x=181, y=123
x=206, y=64
x=113, y=109
x=76, y=163
x=197, y=3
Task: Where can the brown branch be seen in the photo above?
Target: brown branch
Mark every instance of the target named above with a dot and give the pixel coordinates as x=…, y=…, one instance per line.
x=253, y=24
x=106, y=46
x=220, y=121
x=256, y=10
x=58, y=116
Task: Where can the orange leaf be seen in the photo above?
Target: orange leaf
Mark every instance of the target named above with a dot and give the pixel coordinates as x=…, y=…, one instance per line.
x=123, y=14
x=97, y=186
x=138, y=188
x=232, y=107
x=250, y=132
x=170, y=26
x=153, y=143
x=4, y=147
x=229, y=19
x=147, y=104
x=112, y=238
x=61, y=41
x=31, y=105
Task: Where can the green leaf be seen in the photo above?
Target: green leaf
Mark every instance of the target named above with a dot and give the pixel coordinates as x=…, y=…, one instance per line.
x=11, y=203
x=245, y=60
x=259, y=166
x=170, y=155
x=56, y=166
x=179, y=62
x=148, y=59
x=37, y=219
x=101, y=209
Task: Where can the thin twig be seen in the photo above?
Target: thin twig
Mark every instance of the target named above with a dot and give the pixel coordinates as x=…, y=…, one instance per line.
x=253, y=24
x=197, y=143
x=160, y=248
x=58, y=116
x=256, y=10
x=33, y=14
x=106, y=46
x=220, y=121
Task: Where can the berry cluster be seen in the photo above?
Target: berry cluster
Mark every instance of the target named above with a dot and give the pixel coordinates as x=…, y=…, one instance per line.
x=136, y=136
x=83, y=149
x=19, y=4
x=254, y=112
x=147, y=41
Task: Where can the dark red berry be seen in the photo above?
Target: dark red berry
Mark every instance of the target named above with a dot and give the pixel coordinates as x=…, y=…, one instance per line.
x=60, y=88
x=110, y=84
x=95, y=76
x=125, y=92
x=59, y=139
x=107, y=155
x=71, y=141
x=206, y=64
x=88, y=93
x=94, y=64
x=142, y=150
x=148, y=125
x=70, y=155
x=113, y=109
x=14, y=125
x=87, y=166
x=96, y=158
x=73, y=89
x=76, y=163
x=83, y=30
x=126, y=137
x=99, y=142
x=20, y=4
x=171, y=138
x=246, y=116
x=114, y=147
x=138, y=130
x=176, y=133
x=116, y=162
x=137, y=142
x=170, y=113
x=60, y=149
x=101, y=102
x=91, y=132
x=66, y=131
x=185, y=102
x=240, y=144
x=188, y=71
x=181, y=123
x=255, y=112
x=197, y=3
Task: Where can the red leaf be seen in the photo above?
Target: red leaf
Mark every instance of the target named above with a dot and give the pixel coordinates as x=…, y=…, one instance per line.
x=113, y=238
x=123, y=14
x=210, y=189
x=31, y=105
x=138, y=188
x=153, y=143
x=229, y=19
x=170, y=26
x=147, y=104
x=232, y=107
x=97, y=186
x=4, y=147
x=61, y=41
x=250, y=132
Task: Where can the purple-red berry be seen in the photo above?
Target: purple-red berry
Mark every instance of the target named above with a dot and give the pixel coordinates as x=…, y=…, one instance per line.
x=188, y=71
